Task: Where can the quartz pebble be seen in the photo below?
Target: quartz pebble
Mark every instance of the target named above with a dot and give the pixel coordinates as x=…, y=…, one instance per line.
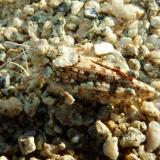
x=40, y=47
x=102, y=129
x=102, y=48
x=110, y=148
x=153, y=139
x=11, y=107
x=27, y=144
x=155, y=21
x=133, y=138
x=132, y=156
x=3, y=158
x=68, y=57
x=148, y=108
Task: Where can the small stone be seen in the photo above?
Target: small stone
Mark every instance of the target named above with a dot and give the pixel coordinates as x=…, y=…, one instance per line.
x=28, y=10
x=134, y=64
x=133, y=138
x=132, y=50
x=139, y=125
x=110, y=148
x=91, y=9
x=124, y=41
x=133, y=29
x=155, y=57
x=17, y=22
x=76, y=6
x=40, y=47
x=3, y=158
x=75, y=139
x=66, y=157
x=102, y=48
x=2, y=55
x=156, y=84
x=155, y=21
x=148, y=156
x=102, y=129
x=68, y=57
x=27, y=144
x=11, y=107
x=31, y=105
x=148, y=108
x=9, y=33
x=54, y=3
x=153, y=138
x=132, y=156
x=109, y=21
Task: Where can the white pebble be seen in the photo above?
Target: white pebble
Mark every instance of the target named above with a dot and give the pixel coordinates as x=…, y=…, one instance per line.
x=27, y=144
x=133, y=138
x=102, y=129
x=17, y=22
x=110, y=148
x=153, y=138
x=155, y=21
x=109, y=21
x=40, y=47
x=68, y=57
x=102, y=48
x=3, y=158
x=76, y=6
x=28, y=10
x=148, y=108
x=9, y=33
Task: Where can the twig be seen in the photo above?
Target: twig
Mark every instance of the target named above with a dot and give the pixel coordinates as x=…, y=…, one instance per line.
x=27, y=74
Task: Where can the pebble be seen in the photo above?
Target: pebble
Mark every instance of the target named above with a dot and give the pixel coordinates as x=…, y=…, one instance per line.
x=153, y=138
x=156, y=84
x=10, y=33
x=11, y=107
x=3, y=158
x=102, y=48
x=155, y=21
x=40, y=47
x=148, y=156
x=91, y=9
x=133, y=138
x=149, y=109
x=28, y=10
x=76, y=6
x=102, y=129
x=31, y=105
x=27, y=144
x=134, y=64
x=132, y=156
x=139, y=125
x=155, y=57
x=68, y=57
x=110, y=148
x=66, y=157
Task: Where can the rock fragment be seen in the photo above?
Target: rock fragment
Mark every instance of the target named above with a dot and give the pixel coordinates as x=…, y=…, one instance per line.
x=149, y=109
x=102, y=129
x=11, y=107
x=110, y=148
x=27, y=144
x=133, y=138
x=153, y=138
x=68, y=57
x=102, y=48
